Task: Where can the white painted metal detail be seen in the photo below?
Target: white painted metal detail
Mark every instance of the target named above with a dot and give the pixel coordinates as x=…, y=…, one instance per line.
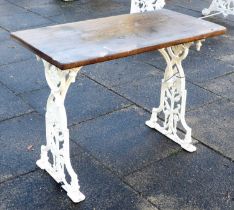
x=146, y=5
x=55, y=155
x=173, y=93
x=173, y=98
x=225, y=7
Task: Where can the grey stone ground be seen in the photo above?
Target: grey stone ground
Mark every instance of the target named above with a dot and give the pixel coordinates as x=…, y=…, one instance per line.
x=121, y=163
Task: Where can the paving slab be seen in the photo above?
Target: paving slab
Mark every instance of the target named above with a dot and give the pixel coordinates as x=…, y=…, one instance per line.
x=4, y=35
x=28, y=3
x=198, y=67
x=224, y=53
x=85, y=100
x=70, y=16
x=46, y=10
x=228, y=58
x=213, y=125
x=13, y=52
x=11, y=105
x=182, y=10
x=193, y=181
x=3, y=2
x=21, y=139
x=146, y=93
x=224, y=86
x=197, y=5
x=83, y=10
x=23, y=76
x=102, y=189
x=121, y=71
x=153, y=58
x=9, y=9
x=220, y=46
x=122, y=141
x=107, y=7
x=21, y=21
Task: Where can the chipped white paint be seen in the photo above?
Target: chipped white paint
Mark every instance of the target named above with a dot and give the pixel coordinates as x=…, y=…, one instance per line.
x=225, y=7
x=55, y=155
x=146, y=5
x=173, y=98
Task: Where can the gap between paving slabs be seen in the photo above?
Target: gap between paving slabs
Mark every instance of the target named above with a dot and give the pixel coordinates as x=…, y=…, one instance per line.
x=20, y=150
x=26, y=174
x=102, y=188
x=203, y=105
x=129, y=144
x=114, y=90
x=202, y=180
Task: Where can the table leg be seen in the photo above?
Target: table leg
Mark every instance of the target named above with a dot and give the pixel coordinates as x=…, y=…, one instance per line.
x=55, y=155
x=226, y=7
x=173, y=98
x=146, y=5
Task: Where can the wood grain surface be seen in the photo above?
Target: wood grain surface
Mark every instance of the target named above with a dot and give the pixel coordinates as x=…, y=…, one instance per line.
x=87, y=42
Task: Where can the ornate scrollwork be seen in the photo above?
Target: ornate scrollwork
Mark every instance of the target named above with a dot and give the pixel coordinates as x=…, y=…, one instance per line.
x=173, y=97
x=146, y=5
x=226, y=7
x=55, y=155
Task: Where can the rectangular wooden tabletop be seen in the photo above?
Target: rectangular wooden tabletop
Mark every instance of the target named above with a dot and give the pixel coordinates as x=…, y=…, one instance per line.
x=87, y=42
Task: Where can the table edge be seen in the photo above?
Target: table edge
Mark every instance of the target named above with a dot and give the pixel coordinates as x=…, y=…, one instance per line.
x=66, y=66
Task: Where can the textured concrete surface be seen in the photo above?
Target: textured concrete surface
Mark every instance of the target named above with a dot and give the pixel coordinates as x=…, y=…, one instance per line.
x=85, y=100
x=187, y=181
x=224, y=86
x=103, y=189
x=128, y=150
x=11, y=105
x=214, y=126
x=121, y=163
x=14, y=76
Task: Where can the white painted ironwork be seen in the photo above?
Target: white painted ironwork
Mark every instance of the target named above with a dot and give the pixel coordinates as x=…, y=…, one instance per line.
x=146, y=5
x=55, y=155
x=173, y=92
x=173, y=98
x=225, y=7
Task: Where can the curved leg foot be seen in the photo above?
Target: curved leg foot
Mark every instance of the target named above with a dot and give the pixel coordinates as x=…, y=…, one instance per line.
x=189, y=147
x=76, y=196
x=206, y=12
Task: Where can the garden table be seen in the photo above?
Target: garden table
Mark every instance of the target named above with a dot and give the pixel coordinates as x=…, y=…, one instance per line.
x=103, y=39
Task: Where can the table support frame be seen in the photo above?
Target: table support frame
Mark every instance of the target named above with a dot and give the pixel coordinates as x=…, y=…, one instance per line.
x=173, y=98
x=55, y=155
